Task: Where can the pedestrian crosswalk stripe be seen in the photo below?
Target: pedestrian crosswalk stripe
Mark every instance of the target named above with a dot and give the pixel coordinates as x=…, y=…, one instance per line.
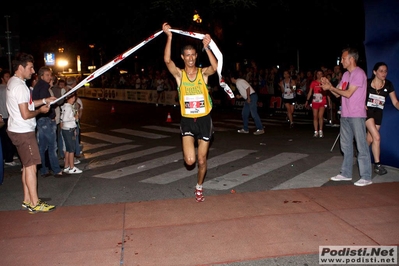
x=142, y=134
x=165, y=129
x=88, y=146
x=86, y=125
x=89, y=155
x=316, y=176
x=105, y=137
x=144, y=166
x=313, y=177
x=125, y=157
x=213, y=162
x=250, y=172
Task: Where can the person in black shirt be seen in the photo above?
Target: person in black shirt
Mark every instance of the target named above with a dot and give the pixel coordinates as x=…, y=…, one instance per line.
x=378, y=89
x=46, y=126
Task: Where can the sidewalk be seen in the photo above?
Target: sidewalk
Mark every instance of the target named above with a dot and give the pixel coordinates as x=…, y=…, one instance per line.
x=257, y=228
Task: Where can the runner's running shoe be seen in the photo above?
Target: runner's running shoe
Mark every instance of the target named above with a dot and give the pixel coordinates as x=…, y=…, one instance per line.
x=198, y=195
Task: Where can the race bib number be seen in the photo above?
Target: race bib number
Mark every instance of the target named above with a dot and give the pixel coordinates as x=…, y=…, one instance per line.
x=288, y=94
x=376, y=101
x=317, y=97
x=194, y=104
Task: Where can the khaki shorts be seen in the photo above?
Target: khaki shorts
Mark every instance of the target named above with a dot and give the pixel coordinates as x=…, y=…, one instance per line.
x=27, y=147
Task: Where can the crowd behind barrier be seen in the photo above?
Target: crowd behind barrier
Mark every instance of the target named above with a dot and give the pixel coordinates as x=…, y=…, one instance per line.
x=142, y=87
x=268, y=103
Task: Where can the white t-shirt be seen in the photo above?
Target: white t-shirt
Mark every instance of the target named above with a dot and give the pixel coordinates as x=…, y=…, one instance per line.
x=17, y=93
x=68, y=116
x=242, y=85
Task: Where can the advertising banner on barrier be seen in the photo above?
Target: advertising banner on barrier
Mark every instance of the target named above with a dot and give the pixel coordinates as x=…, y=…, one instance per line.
x=271, y=104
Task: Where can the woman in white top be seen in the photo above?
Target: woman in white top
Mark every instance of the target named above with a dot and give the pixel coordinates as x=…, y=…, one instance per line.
x=288, y=88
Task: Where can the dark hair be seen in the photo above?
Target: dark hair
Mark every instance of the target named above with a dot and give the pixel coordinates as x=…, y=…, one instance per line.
x=69, y=96
x=4, y=71
x=234, y=74
x=187, y=47
x=21, y=59
x=376, y=67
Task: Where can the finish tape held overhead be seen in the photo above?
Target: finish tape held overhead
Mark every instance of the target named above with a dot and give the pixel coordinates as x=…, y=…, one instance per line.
x=121, y=57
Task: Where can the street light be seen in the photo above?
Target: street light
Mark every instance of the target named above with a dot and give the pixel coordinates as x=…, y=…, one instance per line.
x=196, y=17
x=62, y=63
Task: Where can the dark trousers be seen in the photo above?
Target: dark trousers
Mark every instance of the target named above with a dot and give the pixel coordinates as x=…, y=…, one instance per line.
x=9, y=149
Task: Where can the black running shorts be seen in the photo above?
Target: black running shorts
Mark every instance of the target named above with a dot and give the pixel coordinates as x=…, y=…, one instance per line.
x=199, y=128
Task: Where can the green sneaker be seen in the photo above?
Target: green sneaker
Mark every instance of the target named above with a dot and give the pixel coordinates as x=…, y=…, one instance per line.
x=41, y=207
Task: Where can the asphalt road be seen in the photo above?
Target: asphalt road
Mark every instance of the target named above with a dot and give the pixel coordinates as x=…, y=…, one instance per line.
x=131, y=153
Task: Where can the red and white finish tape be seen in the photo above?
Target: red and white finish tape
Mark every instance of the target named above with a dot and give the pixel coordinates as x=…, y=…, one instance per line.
x=121, y=57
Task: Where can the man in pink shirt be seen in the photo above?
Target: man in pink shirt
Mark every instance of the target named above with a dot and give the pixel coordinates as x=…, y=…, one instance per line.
x=353, y=89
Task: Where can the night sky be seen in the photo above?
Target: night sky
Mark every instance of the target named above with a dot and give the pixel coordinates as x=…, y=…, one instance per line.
x=278, y=32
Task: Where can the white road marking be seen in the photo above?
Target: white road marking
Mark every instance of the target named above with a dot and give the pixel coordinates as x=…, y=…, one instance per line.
x=109, y=151
x=144, y=166
x=125, y=157
x=138, y=133
x=106, y=137
x=181, y=173
x=314, y=177
x=87, y=146
x=250, y=172
x=165, y=129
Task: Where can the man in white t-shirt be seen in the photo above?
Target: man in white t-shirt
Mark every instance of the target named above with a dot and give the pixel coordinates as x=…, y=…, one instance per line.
x=250, y=105
x=22, y=126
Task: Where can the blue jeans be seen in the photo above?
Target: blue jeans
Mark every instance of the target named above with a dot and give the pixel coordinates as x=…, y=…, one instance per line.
x=70, y=140
x=355, y=128
x=47, y=140
x=251, y=108
x=60, y=142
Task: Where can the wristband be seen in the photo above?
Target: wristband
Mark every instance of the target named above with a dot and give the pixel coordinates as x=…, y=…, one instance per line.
x=44, y=101
x=207, y=48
